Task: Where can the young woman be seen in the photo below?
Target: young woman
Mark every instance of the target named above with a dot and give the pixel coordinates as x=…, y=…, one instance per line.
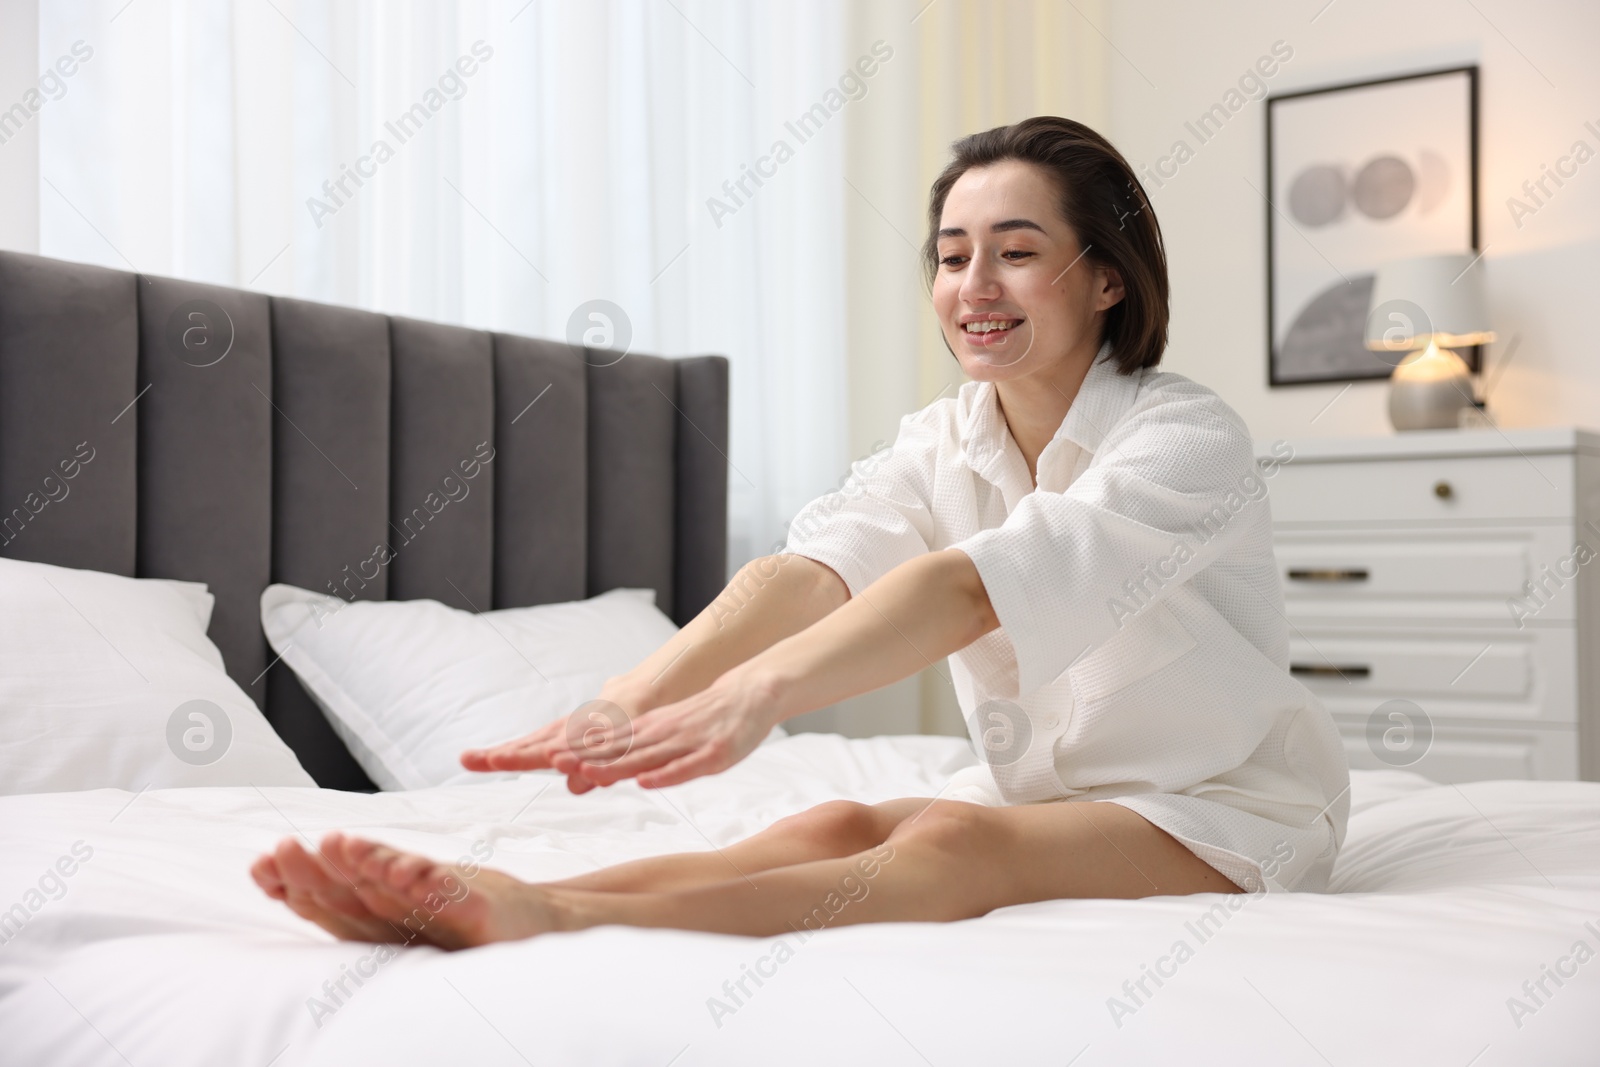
x=1087, y=538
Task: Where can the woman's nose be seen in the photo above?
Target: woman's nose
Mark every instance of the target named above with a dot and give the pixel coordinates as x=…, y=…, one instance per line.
x=982, y=282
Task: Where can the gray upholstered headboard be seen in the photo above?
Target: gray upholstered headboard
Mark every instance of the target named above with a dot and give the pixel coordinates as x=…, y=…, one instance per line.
x=285, y=441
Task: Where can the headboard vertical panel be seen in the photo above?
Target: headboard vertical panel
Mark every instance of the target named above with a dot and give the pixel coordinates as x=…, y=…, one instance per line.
x=702, y=526
x=632, y=475
x=331, y=437
x=69, y=363
x=541, y=473
x=330, y=491
x=441, y=496
x=205, y=455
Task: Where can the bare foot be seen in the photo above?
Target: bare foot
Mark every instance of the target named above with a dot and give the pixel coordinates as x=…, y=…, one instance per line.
x=422, y=900
x=314, y=890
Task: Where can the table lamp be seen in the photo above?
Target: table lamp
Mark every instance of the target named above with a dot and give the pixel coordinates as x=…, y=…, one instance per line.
x=1421, y=309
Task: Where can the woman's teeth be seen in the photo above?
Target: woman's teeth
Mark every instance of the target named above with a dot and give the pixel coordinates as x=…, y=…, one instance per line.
x=990, y=325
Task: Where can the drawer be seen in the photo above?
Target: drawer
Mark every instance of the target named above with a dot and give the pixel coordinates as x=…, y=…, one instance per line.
x=1506, y=488
x=1527, y=676
x=1457, y=753
x=1453, y=573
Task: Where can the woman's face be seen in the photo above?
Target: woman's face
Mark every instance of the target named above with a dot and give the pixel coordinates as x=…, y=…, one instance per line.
x=1015, y=295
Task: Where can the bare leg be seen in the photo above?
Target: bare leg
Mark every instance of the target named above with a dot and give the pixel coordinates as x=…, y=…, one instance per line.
x=952, y=861
x=324, y=887
x=959, y=861
x=827, y=831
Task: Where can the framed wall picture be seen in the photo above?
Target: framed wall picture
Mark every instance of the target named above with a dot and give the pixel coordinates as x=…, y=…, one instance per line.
x=1358, y=174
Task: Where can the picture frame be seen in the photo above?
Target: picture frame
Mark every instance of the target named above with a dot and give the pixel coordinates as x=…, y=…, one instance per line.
x=1360, y=173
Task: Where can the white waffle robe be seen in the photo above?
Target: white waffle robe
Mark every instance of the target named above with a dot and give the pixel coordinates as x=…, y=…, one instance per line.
x=1142, y=653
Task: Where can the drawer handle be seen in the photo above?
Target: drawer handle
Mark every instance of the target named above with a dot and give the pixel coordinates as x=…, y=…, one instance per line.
x=1328, y=670
x=1351, y=574
x=1443, y=490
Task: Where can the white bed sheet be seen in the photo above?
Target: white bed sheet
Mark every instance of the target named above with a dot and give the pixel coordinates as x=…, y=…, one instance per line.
x=161, y=950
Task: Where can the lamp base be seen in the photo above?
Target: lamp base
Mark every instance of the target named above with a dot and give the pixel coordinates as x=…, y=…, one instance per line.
x=1428, y=391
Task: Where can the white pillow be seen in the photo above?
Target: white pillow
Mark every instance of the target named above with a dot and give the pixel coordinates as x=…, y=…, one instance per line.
x=198, y=594
x=111, y=682
x=409, y=684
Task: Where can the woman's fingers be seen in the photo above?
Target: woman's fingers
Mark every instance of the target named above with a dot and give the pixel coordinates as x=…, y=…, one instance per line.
x=591, y=749
x=486, y=759
x=518, y=757
x=601, y=743
x=642, y=758
x=531, y=752
x=597, y=730
x=671, y=732
x=600, y=730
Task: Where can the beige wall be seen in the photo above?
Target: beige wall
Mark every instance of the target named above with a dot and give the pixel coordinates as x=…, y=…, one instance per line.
x=1538, y=85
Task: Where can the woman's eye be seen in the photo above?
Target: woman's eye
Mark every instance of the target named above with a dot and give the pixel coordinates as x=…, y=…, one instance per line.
x=1019, y=253
x=952, y=260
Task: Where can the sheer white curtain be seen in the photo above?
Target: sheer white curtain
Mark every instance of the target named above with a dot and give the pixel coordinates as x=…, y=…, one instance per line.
x=492, y=164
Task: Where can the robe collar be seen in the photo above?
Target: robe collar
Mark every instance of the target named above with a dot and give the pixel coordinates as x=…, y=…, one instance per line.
x=992, y=453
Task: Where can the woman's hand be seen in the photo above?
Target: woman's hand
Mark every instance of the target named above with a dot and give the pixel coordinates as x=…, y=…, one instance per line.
x=616, y=706
x=702, y=734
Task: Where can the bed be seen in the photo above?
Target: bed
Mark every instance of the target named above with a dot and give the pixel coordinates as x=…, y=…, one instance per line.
x=1461, y=926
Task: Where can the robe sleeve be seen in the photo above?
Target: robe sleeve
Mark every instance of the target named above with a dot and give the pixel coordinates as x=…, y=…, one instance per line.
x=882, y=514
x=1164, y=496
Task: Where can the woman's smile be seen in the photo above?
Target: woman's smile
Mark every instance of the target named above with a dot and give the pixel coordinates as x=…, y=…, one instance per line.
x=991, y=330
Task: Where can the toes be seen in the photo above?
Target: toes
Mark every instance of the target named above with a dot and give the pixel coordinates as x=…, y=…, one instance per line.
x=392, y=869
x=382, y=878
x=349, y=854
x=374, y=862
x=340, y=853
x=308, y=872
x=360, y=862
x=265, y=872
x=298, y=868
x=342, y=888
x=406, y=869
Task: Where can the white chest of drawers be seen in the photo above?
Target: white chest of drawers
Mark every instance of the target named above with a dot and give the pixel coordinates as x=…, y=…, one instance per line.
x=1443, y=596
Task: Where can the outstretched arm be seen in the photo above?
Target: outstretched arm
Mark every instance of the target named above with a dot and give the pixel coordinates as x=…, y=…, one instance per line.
x=768, y=600
x=914, y=615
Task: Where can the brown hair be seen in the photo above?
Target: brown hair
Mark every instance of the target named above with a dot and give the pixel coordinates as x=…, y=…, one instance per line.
x=1104, y=204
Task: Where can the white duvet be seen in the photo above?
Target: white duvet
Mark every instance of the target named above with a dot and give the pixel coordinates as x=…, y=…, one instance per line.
x=1462, y=928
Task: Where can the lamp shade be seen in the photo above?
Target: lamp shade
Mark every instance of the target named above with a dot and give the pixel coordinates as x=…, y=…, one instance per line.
x=1428, y=299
